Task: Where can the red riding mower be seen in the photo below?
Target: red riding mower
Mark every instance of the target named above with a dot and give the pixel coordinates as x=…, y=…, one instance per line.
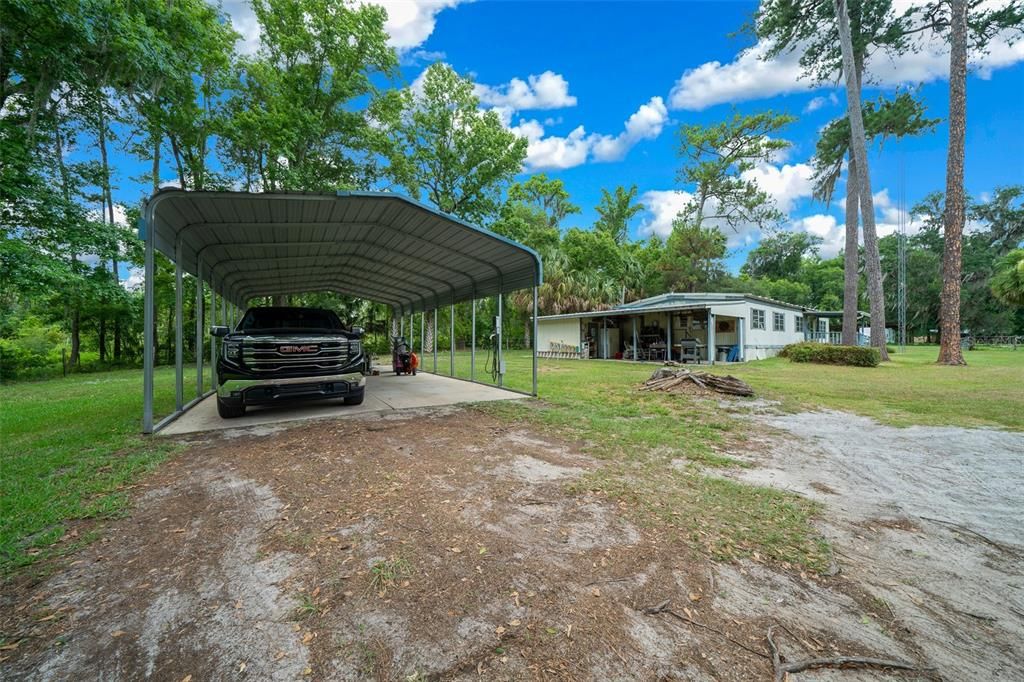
x=403, y=360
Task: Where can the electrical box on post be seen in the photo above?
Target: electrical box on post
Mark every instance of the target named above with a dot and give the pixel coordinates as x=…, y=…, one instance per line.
x=501, y=367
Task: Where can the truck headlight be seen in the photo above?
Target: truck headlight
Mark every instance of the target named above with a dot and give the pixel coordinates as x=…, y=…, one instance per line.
x=355, y=348
x=232, y=351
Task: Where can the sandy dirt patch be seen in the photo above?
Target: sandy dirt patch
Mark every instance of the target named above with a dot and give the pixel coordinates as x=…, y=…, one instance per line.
x=926, y=520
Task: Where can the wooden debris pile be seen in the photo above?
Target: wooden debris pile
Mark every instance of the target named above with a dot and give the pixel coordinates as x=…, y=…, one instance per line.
x=677, y=380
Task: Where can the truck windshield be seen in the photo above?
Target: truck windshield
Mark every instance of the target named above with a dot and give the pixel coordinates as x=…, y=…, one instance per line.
x=305, y=319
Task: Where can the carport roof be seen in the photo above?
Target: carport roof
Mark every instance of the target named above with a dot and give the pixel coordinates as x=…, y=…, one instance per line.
x=373, y=245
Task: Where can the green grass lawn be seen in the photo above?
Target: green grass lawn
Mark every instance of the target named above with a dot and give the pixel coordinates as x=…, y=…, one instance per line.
x=911, y=389
x=69, y=446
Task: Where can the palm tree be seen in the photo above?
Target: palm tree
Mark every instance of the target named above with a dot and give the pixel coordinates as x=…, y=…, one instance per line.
x=1008, y=282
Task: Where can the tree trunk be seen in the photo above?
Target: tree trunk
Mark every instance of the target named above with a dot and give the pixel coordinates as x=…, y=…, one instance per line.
x=851, y=258
x=858, y=149
x=76, y=337
x=949, y=315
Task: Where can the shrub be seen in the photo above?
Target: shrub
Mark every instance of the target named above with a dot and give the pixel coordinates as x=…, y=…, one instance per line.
x=826, y=354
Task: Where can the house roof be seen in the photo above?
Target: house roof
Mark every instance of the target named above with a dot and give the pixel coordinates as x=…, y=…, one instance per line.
x=672, y=301
x=373, y=245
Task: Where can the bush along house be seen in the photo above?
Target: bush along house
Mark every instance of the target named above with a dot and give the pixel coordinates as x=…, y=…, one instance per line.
x=699, y=327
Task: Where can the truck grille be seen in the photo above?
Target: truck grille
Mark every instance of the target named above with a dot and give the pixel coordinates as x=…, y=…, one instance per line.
x=296, y=356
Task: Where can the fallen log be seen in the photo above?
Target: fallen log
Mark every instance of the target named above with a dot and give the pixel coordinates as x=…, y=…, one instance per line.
x=672, y=380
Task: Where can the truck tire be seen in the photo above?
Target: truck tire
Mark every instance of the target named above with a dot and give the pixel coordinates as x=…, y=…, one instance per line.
x=230, y=409
x=355, y=399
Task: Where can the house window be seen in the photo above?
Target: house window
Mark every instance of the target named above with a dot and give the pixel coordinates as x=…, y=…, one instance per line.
x=778, y=322
x=823, y=326
x=799, y=321
x=756, y=318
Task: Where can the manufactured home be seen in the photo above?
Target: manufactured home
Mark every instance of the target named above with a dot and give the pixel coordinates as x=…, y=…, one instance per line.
x=700, y=327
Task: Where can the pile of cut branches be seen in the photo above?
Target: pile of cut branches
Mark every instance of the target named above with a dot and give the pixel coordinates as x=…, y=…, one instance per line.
x=677, y=380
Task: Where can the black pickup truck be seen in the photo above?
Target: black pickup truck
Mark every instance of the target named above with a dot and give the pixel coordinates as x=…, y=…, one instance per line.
x=277, y=354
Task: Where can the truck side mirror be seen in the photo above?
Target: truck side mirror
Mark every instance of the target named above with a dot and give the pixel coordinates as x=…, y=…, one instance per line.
x=218, y=331
x=358, y=331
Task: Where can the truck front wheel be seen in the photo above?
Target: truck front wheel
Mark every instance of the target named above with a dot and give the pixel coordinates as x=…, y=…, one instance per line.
x=230, y=409
x=356, y=399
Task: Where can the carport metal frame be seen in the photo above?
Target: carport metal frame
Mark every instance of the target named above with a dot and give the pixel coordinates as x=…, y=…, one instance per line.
x=234, y=289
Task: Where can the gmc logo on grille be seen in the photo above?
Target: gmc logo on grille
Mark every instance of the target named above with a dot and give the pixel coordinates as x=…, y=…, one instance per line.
x=298, y=349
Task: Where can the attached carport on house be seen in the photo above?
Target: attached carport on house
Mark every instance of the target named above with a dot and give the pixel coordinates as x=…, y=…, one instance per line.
x=376, y=246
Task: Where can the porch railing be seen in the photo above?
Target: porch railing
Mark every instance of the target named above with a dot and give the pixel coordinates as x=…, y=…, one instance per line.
x=834, y=338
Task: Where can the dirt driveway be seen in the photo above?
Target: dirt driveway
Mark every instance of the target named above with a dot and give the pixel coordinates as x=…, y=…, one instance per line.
x=447, y=544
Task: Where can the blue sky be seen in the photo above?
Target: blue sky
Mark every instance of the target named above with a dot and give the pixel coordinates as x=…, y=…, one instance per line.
x=600, y=88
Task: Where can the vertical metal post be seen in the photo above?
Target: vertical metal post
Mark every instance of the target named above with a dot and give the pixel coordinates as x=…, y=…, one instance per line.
x=401, y=325
x=669, y=344
x=199, y=329
x=433, y=341
x=498, y=356
x=603, y=342
x=741, y=336
x=472, y=345
x=636, y=351
x=179, y=335
x=224, y=309
x=213, y=339
x=711, y=337
x=535, y=341
x=423, y=332
x=147, y=333
x=451, y=359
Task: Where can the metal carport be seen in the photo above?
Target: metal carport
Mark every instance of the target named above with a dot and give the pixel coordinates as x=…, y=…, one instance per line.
x=372, y=245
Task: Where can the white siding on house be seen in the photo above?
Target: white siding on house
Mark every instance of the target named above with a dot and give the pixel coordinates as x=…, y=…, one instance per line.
x=559, y=331
x=765, y=343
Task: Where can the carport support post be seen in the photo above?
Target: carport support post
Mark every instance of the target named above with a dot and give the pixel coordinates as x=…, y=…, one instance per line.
x=213, y=339
x=199, y=329
x=534, y=344
x=423, y=331
x=179, y=351
x=451, y=339
x=433, y=340
x=147, y=331
x=497, y=356
x=472, y=346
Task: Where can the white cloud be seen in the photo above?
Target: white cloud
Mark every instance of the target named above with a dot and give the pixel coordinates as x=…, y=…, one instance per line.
x=553, y=152
x=645, y=124
x=243, y=20
x=745, y=78
x=136, y=278
x=749, y=77
x=662, y=207
x=825, y=227
x=820, y=101
x=785, y=184
x=409, y=22
x=548, y=90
